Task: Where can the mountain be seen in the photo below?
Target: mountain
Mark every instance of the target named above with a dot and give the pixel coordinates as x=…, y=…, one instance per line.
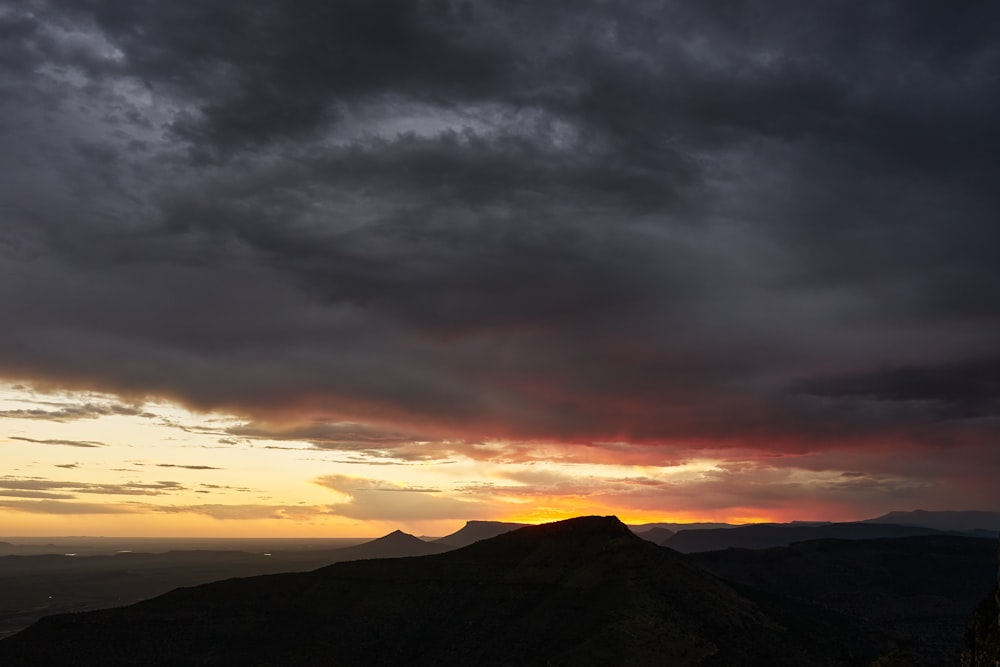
x=474, y=531
x=585, y=591
x=642, y=527
x=396, y=544
x=655, y=535
x=957, y=521
x=767, y=535
x=920, y=590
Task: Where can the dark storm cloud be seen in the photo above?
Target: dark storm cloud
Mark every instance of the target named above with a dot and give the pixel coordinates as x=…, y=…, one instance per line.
x=455, y=222
x=968, y=390
x=270, y=70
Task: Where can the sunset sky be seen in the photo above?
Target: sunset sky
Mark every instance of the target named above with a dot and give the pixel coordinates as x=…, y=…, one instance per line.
x=317, y=268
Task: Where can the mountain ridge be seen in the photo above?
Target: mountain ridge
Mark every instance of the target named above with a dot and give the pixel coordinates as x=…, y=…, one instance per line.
x=581, y=591
x=948, y=520
x=765, y=536
x=474, y=531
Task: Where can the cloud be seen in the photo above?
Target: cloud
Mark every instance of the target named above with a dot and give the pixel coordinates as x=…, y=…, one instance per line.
x=17, y=493
x=186, y=467
x=370, y=499
x=127, y=489
x=235, y=512
x=64, y=508
x=65, y=443
x=412, y=231
x=954, y=391
x=224, y=487
x=66, y=413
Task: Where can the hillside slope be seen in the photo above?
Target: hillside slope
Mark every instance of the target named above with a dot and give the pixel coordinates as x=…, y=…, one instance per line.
x=579, y=592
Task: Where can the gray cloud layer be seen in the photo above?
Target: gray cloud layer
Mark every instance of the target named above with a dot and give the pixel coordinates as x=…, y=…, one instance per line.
x=749, y=223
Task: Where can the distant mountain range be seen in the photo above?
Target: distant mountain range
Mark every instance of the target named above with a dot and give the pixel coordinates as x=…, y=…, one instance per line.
x=765, y=536
x=674, y=527
x=582, y=591
x=951, y=521
x=688, y=538
x=810, y=563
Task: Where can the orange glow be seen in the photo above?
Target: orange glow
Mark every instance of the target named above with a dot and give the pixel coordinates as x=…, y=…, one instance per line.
x=549, y=508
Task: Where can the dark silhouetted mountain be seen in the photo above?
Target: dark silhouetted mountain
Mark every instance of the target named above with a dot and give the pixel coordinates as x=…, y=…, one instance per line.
x=396, y=544
x=580, y=592
x=920, y=590
x=767, y=535
x=474, y=531
x=955, y=521
x=656, y=535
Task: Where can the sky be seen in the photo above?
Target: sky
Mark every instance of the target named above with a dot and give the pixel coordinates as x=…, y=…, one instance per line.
x=319, y=268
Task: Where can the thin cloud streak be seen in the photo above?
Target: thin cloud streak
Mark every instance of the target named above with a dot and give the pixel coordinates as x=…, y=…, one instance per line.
x=64, y=443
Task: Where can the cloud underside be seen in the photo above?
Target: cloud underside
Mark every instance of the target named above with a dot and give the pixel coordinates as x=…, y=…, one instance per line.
x=445, y=225
x=779, y=487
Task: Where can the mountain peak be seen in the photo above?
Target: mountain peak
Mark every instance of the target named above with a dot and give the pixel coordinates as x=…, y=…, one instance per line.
x=569, y=540
x=397, y=537
x=610, y=525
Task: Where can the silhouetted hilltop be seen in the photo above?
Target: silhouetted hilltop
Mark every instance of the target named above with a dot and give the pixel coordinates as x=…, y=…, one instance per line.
x=957, y=521
x=583, y=591
x=766, y=535
x=396, y=544
x=474, y=531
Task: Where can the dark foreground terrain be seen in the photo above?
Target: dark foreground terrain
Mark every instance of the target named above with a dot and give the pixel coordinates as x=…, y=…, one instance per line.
x=920, y=591
x=583, y=591
x=580, y=592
